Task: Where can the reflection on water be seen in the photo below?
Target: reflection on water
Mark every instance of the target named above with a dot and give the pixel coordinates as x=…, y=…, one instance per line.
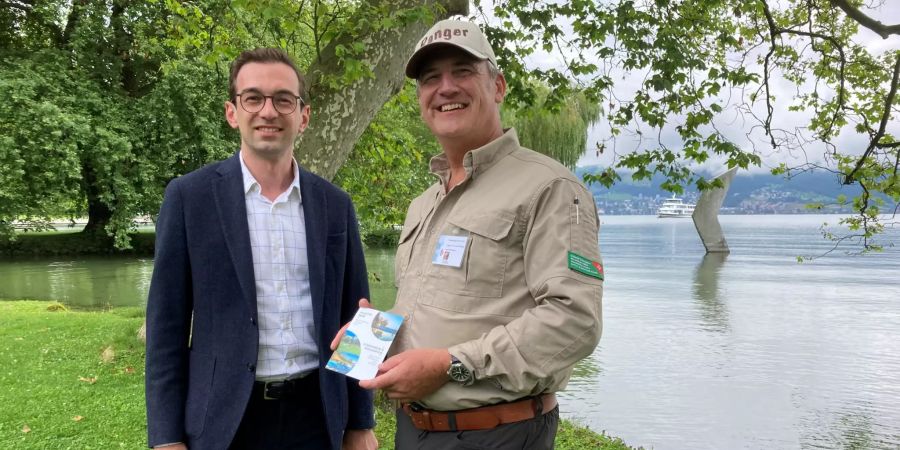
x=86, y=282
x=850, y=430
x=586, y=369
x=749, y=350
x=706, y=291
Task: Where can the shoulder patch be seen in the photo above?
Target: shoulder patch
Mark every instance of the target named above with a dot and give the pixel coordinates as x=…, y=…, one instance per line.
x=585, y=266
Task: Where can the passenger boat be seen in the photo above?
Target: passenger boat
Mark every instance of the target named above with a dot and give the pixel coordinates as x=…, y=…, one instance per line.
x=675, y=207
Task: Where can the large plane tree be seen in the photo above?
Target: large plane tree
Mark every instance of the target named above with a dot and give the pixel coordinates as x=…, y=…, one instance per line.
x=102, y=102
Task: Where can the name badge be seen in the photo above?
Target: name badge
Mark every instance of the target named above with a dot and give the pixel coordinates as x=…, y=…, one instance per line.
x=450, y=250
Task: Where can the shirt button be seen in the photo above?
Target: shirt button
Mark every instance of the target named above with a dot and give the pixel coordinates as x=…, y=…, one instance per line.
x=252, y=321
x=251, y=367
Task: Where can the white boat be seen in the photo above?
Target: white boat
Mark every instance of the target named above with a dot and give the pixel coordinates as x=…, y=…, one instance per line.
x=674, y=207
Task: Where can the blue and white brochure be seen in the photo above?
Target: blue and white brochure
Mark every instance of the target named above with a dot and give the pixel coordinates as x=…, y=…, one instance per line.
x=365, y=343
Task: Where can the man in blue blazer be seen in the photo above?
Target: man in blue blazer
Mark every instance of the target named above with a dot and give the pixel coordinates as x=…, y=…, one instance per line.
x=258, y=263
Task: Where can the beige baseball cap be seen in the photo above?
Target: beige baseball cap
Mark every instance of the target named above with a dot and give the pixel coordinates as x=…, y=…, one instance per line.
x=458, y=33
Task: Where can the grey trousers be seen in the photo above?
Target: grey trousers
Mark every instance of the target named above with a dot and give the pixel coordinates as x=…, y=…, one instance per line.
x=533, y=434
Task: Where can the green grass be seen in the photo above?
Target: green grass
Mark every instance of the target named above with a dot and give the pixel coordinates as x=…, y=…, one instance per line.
x=55, y=367
x=52, y=373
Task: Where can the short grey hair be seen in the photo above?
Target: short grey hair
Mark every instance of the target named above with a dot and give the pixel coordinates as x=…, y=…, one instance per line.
x=493, y=70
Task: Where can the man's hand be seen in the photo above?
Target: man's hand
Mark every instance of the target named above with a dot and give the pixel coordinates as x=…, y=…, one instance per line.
x=178, y=446
x=411, y=375
x=363, y=303
x=359, y=440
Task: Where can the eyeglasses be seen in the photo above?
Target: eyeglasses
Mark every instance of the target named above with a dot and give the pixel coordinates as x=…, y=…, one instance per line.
x=254, y=101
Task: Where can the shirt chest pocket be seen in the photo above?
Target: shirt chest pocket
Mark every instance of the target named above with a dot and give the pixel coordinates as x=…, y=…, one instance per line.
x=486, y=258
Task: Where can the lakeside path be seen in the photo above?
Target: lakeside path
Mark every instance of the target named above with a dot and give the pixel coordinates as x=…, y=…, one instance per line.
x=75, y=379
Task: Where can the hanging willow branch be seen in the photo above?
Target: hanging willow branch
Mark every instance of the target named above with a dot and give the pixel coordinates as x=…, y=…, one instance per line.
x=560, y=134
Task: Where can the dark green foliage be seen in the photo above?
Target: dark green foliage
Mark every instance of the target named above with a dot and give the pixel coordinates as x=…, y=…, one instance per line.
x=72, y=243
x=389, y=167
x=382, y=237
x=103, y=103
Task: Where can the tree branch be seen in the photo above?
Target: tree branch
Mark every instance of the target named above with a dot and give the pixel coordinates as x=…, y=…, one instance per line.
x=873, y=143
x=772, y=33
x=861, y=18
x=776, y=30
x=20, y=5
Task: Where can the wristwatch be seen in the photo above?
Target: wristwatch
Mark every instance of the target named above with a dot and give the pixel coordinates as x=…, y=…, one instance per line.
x=459, y=373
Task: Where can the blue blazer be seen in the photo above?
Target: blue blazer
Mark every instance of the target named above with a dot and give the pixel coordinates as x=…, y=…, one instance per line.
x=199, y=382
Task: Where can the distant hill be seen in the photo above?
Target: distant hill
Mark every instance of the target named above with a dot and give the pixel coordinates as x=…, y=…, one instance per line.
x=749, y=194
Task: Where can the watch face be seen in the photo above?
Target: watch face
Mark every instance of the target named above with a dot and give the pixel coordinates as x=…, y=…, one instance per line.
x=460, y=373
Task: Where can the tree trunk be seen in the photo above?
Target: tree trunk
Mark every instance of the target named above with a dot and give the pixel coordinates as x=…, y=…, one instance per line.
x=122, y=45
x=74, y=18
x=99, y=214
x=339, y=116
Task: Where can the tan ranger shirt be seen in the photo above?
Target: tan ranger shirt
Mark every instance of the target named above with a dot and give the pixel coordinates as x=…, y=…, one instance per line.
x=513, y=312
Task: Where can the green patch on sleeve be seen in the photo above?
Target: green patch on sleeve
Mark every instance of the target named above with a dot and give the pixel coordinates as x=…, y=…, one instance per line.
x=585, y=266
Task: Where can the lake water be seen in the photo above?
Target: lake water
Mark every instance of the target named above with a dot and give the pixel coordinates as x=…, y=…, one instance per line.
x=83, y=281
x=752, y=350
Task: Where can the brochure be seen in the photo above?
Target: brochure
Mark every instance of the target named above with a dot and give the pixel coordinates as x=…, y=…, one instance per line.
x=365, y=343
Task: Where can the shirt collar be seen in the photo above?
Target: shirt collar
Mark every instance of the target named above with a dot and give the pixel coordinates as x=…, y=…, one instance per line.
x=250, y=182
x=480, y=159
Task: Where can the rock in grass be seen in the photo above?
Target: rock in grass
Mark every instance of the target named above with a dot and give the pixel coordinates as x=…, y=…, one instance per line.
x=108, y=355
x=56, y=306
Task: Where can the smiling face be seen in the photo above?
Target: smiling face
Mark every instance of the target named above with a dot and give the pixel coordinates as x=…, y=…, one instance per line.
x=459, y=99
x=267, y=133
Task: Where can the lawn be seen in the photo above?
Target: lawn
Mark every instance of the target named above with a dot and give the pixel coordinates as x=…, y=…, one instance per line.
x=70, y=380
x=75, y=380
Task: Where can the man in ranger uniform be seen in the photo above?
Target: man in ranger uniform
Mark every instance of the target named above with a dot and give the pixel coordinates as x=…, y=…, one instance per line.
x=498, y=268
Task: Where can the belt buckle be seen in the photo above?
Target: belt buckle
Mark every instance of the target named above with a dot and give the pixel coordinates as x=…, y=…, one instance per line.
x=266, y=386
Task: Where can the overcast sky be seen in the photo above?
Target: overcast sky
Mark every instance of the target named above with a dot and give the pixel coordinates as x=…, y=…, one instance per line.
x=735, y=126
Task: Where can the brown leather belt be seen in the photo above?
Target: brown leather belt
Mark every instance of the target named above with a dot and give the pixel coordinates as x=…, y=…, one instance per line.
x=482, y=418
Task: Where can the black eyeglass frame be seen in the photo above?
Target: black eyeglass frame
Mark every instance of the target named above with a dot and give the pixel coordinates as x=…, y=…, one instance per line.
x=266, y=98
